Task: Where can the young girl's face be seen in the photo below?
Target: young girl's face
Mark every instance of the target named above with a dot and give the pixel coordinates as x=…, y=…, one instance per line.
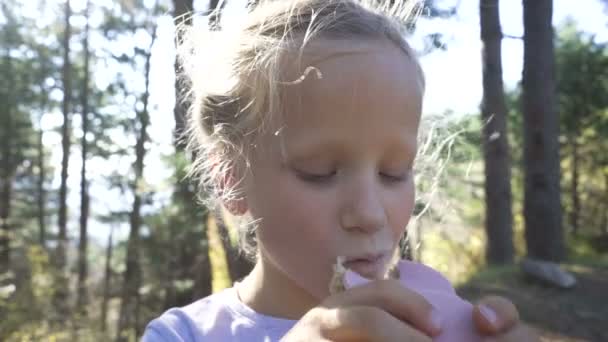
x=333, y=177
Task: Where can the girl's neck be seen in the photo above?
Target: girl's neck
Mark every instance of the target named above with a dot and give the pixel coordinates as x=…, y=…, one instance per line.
x=270, y=292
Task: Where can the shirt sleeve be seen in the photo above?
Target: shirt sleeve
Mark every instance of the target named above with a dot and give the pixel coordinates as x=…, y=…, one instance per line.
x=169, y=327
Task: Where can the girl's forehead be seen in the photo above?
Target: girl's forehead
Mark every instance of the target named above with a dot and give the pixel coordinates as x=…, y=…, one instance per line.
x=315, y=52
x=341, y=73
x=357, y=90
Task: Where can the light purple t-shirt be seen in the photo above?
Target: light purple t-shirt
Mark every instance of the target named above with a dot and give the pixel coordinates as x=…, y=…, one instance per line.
x=219, y=317
x=223, y=317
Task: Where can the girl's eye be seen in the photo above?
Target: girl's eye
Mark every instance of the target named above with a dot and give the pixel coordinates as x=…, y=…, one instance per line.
x=394, y=178
x=315, y=177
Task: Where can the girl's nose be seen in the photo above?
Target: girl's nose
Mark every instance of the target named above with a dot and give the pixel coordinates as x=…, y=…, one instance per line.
x=363, y=209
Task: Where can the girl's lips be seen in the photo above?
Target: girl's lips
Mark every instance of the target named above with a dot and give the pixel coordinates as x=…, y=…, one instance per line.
x=368, y=266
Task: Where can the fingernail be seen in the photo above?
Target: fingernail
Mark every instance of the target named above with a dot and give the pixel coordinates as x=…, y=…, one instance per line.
x=436, y=320
x=488, y=314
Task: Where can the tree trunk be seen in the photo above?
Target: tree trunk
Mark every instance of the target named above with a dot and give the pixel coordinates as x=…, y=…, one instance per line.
x=84, y=191
x=41, y=192
x=106, y=283
x=499, y=217
x=172, y=267
x=202, y=266
x=5, y=210
x=133, y=273
x=251, y=4
x=181, y=10
x=61, y=285
x=238, y=265
x=542, y=207
x=576, y=204
x=6, y=176
x=215, y=14
x=604, y=226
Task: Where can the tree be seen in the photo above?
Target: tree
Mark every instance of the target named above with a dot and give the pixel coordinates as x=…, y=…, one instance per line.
x=133, y=273
x=21, y=70
x=7, y=171
x=182, y=10
x=84, y=187
x=238, y=265
x=430, y=9
x=497, y=162
x=41, y=187
x=106, y=282
x=185, y=192
x=17, y=136
x=43, y=73
x=61, y=286
x=580, y=62
x=542, y=207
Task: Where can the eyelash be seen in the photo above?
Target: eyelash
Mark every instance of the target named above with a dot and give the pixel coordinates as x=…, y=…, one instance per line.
x=395, y=179
x=316, y=178
x=326, y=178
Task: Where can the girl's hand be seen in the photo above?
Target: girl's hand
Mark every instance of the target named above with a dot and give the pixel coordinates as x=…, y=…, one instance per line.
x=382, y=310
x=498, y=320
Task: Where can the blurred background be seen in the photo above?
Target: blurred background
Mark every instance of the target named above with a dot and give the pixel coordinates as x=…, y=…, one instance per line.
x=100, y=232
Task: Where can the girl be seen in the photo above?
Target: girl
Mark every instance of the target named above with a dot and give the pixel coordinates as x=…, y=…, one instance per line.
x=304, y=122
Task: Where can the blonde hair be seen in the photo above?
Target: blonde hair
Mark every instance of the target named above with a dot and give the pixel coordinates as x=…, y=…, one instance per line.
x=234, y=77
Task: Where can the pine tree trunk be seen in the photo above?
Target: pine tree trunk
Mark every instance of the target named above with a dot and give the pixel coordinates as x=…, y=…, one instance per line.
x=202, y=266
x=106, y=283
x=172, y=267
x=41, y=192
x=6, y=177
x=542, y=207
x=5, y=210
x=497, y=160
x=238, y=265
x=576, y=204
x=84, y=191
x=133, y=273
x=251, y=4
x=604, y=226
x=181, y=10
x=215, y=14
x=61, y=285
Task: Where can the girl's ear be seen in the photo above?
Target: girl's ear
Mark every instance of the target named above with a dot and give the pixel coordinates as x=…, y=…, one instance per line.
x=236, y=206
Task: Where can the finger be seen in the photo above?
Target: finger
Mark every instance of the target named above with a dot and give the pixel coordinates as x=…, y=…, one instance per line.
x=520, y=333
x=365, y=323
x=392, y=297
x=493, y=315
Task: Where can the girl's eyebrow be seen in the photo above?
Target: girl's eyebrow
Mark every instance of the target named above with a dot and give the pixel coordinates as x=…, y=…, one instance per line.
x=329, y=148
x=316, y=150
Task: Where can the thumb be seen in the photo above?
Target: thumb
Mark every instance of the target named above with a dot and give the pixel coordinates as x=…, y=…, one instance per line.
x=494, y=315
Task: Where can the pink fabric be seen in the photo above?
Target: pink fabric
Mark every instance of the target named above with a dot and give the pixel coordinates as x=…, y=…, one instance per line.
x=456, y=313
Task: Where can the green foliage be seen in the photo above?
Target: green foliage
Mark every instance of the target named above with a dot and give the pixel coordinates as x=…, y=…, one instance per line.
x=30, y=302
x=174, y=233
x=582, y=85
x=582, y=80
x=582, y=76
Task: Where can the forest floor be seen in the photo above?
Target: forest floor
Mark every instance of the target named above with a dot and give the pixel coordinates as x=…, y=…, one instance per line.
x=577, y=314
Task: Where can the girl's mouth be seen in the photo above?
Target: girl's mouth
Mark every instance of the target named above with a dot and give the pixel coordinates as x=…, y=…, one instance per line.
x=370, y=266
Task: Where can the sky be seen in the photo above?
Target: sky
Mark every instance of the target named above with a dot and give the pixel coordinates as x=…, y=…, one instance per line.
x=453, y=83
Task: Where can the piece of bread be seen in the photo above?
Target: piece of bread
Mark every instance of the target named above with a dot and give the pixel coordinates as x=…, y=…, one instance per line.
x=337, y=285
